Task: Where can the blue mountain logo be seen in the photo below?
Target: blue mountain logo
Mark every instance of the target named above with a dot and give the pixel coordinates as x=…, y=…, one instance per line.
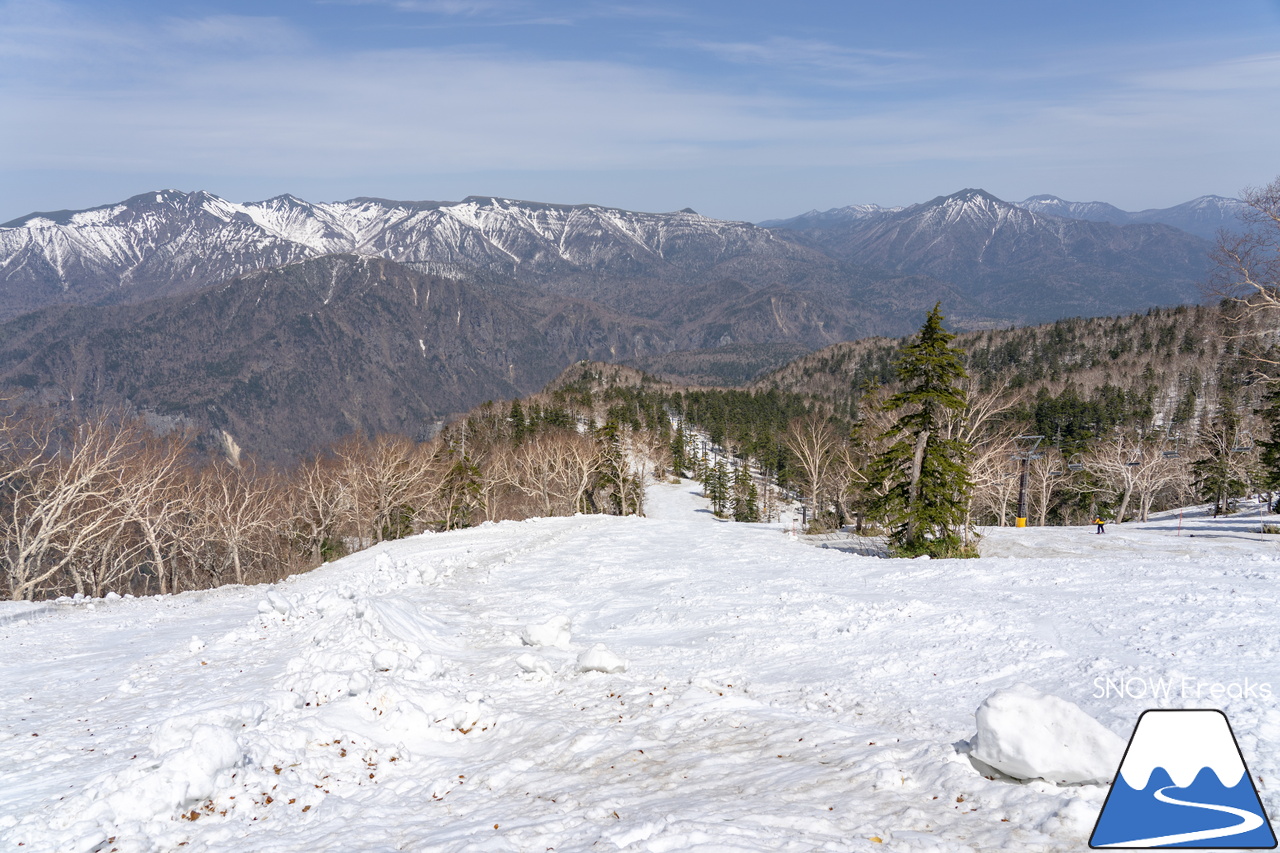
x=1183, y=783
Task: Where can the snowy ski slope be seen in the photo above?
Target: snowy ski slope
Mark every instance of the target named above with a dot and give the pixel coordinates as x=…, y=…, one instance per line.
x=776, y=696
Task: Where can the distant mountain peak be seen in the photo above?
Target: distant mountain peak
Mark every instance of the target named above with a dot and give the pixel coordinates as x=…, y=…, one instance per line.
x=971, y=194
x=826, y=218
x=967, y=204
x=1203, y=216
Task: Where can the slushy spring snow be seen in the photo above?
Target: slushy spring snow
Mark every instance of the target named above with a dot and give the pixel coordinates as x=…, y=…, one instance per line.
x=666, y=683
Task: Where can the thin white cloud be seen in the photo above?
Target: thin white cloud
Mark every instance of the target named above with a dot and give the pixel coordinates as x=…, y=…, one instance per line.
x=448, y=8
x=235, y=32
x=783, y=50
x=821, y=62
x=466, y=8
x=1259, y=72
x=36, y=30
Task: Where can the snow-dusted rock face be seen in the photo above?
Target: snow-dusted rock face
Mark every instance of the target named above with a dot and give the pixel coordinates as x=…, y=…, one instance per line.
x=173, y=242
x=1027, y=734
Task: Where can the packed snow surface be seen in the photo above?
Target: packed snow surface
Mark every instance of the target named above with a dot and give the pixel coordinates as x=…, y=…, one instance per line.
x=776, y=696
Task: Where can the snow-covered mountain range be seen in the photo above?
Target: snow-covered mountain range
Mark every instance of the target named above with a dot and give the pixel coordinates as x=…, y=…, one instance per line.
x=836, y=216
x=997, y=255
x=646, y=264
x=1203, y=216
x=170, y=242
x=103, y=305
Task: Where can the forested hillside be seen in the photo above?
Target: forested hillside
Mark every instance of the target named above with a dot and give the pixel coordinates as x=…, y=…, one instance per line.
x=1118, y=417
x=1082, y=375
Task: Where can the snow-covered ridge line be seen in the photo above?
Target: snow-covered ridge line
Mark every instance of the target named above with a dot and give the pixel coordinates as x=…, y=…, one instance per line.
x=171, y=240
x=1202, y=216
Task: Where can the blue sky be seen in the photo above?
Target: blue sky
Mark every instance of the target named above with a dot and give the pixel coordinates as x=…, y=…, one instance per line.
x=741, y=110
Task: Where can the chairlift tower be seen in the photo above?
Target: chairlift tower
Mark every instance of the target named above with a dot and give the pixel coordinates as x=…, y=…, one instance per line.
x=1024, y=456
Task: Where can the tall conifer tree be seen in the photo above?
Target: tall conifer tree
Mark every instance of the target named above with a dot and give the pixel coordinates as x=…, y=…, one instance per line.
x=927, y=472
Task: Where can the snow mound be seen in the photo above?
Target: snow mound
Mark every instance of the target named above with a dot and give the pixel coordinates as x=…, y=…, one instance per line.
x=276, y=604
x=179, y=778
x=553, y=632
x=600, y=659
x=1027, y=734
x=533, y=665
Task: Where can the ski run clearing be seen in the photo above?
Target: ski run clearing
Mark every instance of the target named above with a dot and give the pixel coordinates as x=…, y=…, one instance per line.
x=666, y=683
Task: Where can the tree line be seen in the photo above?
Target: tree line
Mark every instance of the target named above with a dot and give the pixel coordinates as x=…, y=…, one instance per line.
x=104, y=504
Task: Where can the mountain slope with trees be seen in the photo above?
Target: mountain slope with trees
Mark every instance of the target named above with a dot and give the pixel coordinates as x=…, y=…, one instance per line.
x=287, y=359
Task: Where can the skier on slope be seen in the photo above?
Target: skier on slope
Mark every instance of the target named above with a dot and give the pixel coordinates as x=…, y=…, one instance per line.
x=1098, y=521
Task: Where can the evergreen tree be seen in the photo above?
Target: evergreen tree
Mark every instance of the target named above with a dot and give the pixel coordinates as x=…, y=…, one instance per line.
x=927, y=472
x=519, y=425
x=715, y=486
x=462, y=487
x=679, y=452
x=1219, y=477
x=1269, y=455
x=746, y=498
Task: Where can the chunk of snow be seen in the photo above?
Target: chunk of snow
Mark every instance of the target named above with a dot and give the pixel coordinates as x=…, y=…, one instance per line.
x=183, y=777
x=600, y=659
x=357, y=683
x=275, y=603
x=1027, y=734
x=386, y=660
x=553, y=632
x=533, y=664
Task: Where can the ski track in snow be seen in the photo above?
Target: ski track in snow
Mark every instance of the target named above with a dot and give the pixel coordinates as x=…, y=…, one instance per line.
x=777, y=696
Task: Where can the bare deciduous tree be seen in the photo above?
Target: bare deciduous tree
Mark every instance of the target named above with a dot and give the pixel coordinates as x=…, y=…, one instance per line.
x=1126, y=467
x=815, y=445
x=322, y=502
x=995, y=479
x=153, y=500
x=1248, y=273
x=64, y=495
x=240, y=512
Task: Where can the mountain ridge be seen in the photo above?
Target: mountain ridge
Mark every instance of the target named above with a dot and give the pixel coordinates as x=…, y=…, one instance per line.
x=1033, y=266
x=1202, y=216
x=856, y=278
